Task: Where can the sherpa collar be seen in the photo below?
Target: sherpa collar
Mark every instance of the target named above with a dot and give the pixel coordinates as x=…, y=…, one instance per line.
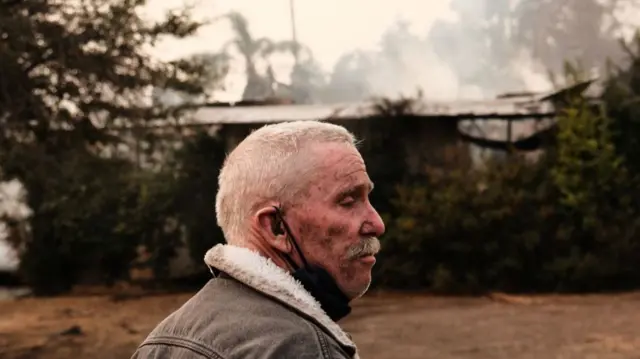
x=263, y=275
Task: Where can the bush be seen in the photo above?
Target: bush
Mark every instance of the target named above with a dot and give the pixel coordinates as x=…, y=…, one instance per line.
x=78, y=201
x=91, y=214
x=568, y=222
x=621, y=96
x=198, y=166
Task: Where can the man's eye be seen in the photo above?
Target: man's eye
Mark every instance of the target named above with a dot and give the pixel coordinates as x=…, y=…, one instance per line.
x=348, y=201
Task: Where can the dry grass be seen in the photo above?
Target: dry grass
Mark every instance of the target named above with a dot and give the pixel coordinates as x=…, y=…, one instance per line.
x=384, y=326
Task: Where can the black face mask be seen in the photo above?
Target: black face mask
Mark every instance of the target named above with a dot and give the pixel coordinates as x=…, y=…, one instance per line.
x=315, y=279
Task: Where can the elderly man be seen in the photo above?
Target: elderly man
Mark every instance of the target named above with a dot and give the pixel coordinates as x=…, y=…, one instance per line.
x=301, y=238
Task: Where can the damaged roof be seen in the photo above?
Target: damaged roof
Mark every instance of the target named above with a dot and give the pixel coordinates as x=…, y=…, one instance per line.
x=499, y=108
x=517, y=106
x=511, y=106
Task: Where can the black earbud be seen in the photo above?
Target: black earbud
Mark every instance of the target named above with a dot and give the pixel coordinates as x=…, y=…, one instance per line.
x=276, y=226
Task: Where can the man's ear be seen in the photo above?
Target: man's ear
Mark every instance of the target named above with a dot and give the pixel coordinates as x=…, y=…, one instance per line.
x=271, y=228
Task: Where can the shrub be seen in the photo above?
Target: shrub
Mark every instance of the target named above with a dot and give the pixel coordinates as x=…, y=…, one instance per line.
x=91, y=214
x=568, y=222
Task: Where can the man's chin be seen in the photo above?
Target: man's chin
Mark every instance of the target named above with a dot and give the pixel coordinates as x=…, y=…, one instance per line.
x=362, y=290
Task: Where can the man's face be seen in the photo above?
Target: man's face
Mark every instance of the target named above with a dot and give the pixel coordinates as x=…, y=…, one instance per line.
x=335, y=223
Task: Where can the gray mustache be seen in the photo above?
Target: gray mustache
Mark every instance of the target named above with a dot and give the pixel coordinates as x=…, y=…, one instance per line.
x=368, y=246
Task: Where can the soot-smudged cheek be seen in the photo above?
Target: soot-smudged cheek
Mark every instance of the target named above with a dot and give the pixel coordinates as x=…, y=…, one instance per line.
x=333, y=235
x=336, y=230
x=305, y=230
x=335, y=241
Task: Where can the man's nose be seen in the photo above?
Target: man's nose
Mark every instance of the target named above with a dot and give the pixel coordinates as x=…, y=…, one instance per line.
x=374, y=225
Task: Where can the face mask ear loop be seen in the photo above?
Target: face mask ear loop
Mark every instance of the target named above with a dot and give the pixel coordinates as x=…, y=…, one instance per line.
x=291, y=238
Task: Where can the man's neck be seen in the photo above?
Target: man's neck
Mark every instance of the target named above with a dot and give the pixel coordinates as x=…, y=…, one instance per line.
x=267, y=252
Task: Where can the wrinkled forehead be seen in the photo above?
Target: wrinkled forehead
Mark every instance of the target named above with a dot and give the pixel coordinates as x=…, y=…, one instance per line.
x=337, y=165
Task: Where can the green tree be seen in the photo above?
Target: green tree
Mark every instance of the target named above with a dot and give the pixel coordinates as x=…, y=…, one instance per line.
x=586, y=163
x=622, y=99
x=597, y=245
x=71, y=71
x=72, y=64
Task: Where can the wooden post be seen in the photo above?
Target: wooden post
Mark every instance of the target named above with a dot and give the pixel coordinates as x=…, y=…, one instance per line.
x=294, y=36
x=509, y=136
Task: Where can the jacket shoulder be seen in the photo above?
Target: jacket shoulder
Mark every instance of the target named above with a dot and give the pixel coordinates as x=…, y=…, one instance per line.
x=172, y=347
x=231, y=320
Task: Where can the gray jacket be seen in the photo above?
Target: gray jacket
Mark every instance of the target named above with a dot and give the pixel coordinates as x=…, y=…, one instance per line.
x=255, y=310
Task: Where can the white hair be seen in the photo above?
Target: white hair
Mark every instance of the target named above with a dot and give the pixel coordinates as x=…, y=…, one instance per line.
x=268, y=166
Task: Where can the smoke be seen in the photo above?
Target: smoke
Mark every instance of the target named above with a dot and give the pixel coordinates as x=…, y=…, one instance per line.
x=415, y=65
x=451, y=61
x=490, y=47
x=12, y=206
x=404, y=62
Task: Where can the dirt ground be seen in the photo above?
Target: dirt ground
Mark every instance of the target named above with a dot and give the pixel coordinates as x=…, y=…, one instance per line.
x=384, y=326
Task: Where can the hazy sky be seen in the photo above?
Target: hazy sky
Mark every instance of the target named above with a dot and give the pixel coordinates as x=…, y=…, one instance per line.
x=329, y=27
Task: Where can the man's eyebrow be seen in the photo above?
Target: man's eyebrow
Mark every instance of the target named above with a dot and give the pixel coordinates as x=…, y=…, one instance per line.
x=368, y=186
